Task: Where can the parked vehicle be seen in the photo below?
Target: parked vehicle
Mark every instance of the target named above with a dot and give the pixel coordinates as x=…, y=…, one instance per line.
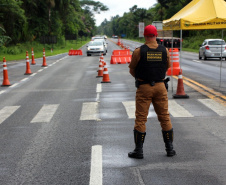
x=96, y=47
x=212, y=48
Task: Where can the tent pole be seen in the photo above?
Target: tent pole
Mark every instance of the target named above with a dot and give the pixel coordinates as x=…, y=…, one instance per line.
x=180, y=49
x=171, y=63
x=221, y=58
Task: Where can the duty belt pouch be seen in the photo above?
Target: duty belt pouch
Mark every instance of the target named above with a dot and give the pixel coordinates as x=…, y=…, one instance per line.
x=137, y=83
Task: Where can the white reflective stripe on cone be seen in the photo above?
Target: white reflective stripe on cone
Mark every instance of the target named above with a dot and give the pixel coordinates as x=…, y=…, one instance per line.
x=180, y=76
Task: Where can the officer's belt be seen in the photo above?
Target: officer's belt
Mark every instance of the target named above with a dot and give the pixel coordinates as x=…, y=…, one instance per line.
x=152, y=83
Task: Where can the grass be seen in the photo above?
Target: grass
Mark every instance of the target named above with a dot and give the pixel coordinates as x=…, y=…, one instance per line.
x=18, y=52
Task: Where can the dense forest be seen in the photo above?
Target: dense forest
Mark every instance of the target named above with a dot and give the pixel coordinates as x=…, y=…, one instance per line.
x=24, y=21
x=27, y=20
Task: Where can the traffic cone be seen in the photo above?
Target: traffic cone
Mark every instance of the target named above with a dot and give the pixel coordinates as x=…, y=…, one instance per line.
x=100, y=71
x=32, y=57
x=44, y=58
x=5, y=81
x=106, y=78
x=28, y=70
x=180, y=88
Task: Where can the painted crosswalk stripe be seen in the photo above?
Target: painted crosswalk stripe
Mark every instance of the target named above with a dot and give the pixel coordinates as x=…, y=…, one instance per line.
x=6, y=112
x=177, y=110
x=90, y=111
x=45, y=114
x=99, y=88
x=215, y=106
x=96, y=174
x=130, y=108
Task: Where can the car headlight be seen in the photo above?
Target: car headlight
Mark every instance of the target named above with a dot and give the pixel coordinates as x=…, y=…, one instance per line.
x=88, y=48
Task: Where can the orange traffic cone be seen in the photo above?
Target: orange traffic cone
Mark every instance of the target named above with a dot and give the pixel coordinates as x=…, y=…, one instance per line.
x=28, y=70
x=180, y=88
x=100, y=71
x=5, y=81
x=44, y=58
x=106, y=78
x=32, y=57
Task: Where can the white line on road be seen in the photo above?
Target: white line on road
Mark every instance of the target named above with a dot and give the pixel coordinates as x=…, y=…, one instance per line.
x=6, y=112
x=130, y=108
x=96, y=174
x=45, y=114
x=99, y=88
x=213, y=105
x=1, y=92
x=197, y=61
x=90, y=111
x=178, y=111
x=24, y=79
x=14, y=85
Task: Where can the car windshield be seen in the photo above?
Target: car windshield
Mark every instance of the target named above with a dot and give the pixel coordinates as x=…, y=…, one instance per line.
x=95, y=44
x=216, y=42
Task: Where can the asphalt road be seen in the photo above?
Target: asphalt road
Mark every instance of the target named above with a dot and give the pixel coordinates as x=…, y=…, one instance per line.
x=61, y=125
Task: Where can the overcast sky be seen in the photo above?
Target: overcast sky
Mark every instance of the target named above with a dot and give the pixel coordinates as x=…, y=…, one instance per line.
x=119, y=7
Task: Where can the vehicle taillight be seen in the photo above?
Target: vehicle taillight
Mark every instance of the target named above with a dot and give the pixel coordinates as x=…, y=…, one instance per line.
x=207, y=47
x=161, y=40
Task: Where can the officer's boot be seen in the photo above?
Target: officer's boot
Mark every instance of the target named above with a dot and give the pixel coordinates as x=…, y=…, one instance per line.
x=168, y=139
x=139, y=140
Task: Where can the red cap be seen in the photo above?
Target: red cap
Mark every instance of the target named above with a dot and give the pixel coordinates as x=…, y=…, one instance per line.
x=150, y=30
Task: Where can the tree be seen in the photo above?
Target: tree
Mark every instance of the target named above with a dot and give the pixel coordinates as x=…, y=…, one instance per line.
x=12, y=18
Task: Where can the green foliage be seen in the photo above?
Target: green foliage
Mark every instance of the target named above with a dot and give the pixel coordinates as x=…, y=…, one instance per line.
x=3, y=39
x=28, y=20
x=61, y=47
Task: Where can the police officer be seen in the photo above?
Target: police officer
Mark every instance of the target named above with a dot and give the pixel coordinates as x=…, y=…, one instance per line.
x=149, y=65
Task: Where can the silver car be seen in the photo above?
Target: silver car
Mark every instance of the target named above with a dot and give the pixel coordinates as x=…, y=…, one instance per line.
x=95, y=47
x=212, y=48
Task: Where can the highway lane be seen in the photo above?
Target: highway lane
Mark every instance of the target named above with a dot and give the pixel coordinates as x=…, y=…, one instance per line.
x=44, y=139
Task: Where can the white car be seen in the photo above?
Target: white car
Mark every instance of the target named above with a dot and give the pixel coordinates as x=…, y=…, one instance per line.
x=95, y=47
x=104, y=42
x=212, y=48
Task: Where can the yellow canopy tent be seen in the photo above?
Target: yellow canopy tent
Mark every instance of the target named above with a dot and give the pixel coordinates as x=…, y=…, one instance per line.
x=197, y=15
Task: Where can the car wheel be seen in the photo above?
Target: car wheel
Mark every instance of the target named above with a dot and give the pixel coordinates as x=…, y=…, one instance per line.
x=205, y=58
x=88, y=54
x=200, y=57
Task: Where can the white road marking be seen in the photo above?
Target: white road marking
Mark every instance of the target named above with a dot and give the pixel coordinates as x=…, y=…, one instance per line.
x=90, y=111
x=130, y=108
x=99, y=88
x=6, y=112
x=24, y=79
x=197, y=61
x=14, y=85
x=1, y=92
x=96, y=174
x=45, y=114
x=178, y=111
x=213, y=105
x=98, y=97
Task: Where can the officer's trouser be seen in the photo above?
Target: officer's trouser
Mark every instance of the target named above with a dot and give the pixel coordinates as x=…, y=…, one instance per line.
x=157, y=95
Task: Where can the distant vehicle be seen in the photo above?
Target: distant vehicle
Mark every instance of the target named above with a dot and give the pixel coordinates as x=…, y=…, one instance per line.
x=96, y=47
x=212, y=48
x=167, y=42
x=114, y=36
